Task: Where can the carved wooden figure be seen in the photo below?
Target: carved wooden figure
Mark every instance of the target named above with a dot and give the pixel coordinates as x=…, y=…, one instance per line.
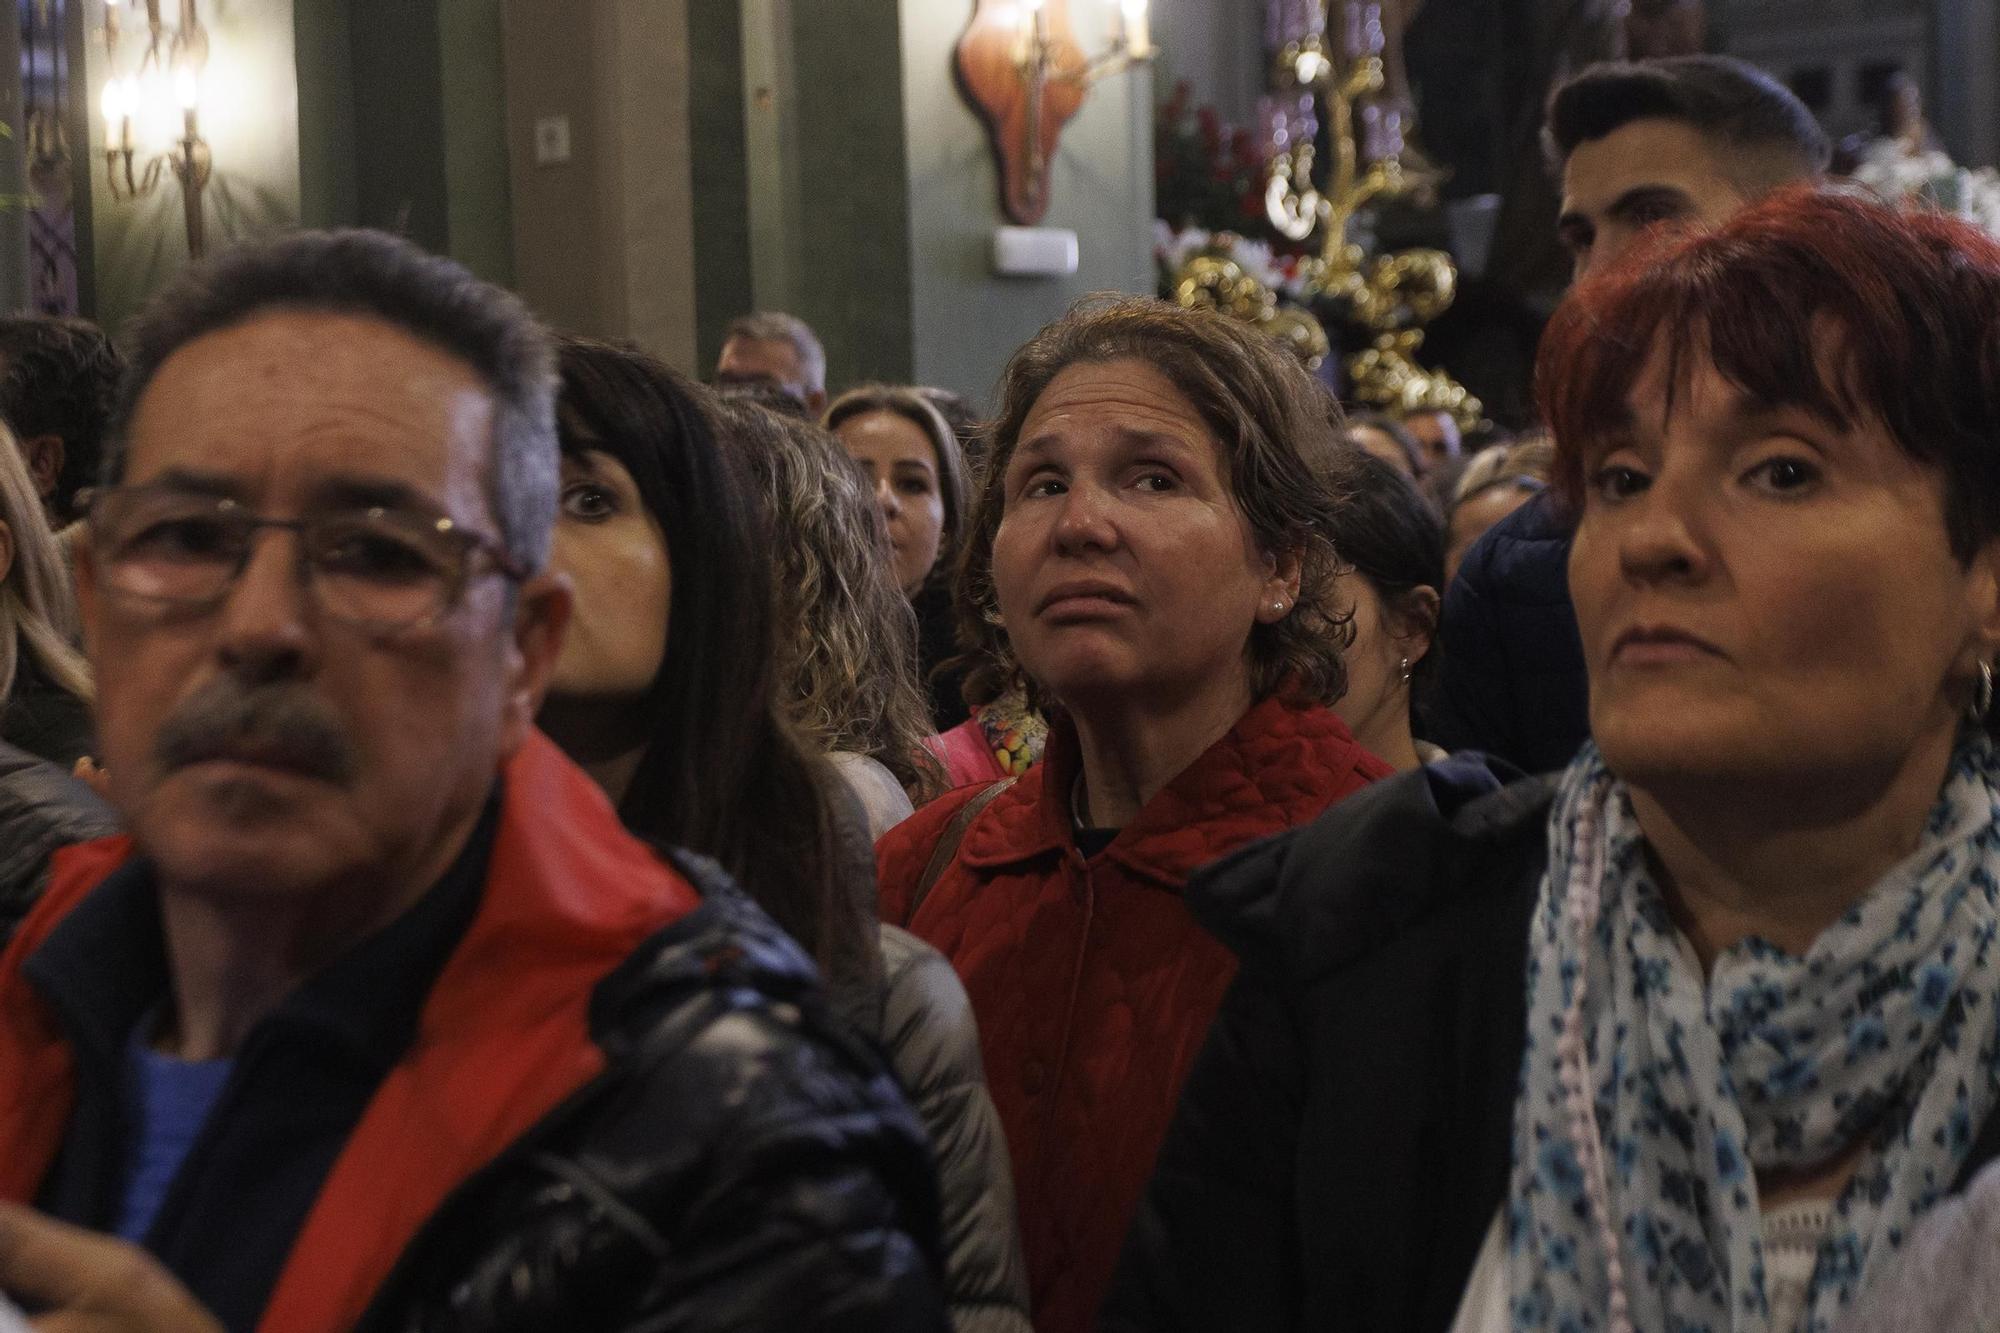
x=1020, y=67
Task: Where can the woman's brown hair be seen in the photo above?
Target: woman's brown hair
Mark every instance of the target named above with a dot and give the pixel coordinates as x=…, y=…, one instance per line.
x=1285, y=467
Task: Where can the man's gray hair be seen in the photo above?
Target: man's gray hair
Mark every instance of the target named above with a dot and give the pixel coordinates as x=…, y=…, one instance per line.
x=374, y=274
x=778, y=327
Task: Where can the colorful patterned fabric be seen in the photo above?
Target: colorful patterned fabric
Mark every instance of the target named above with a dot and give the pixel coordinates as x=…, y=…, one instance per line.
x=1885, y=1028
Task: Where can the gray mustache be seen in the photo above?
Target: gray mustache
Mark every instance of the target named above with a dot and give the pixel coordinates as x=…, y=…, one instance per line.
x=281, y=724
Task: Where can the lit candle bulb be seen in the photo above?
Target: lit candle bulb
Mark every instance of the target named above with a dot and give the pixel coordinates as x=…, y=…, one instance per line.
x=1138, y=28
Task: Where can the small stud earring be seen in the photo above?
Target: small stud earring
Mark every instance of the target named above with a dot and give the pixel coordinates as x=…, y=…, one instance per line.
x=1404, y=667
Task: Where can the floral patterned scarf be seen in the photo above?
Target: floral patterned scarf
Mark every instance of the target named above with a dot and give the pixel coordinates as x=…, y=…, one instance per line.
x=1650, y=1097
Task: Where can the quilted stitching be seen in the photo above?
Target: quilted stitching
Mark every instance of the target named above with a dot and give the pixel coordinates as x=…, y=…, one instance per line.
x=1094, y=987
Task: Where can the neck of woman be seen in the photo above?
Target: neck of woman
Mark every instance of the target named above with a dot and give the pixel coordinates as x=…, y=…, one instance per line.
x=1784, y=861
x=599, y=735
x=1133, y=747
x=1384, y=731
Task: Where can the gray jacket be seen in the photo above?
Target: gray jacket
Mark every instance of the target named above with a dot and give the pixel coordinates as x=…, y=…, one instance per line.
x=913, y=1003
x=933, y=1045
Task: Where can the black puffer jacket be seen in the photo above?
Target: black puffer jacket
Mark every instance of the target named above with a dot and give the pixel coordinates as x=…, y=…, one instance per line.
x=742, y=1164
x=41, y=808
x=1345, y=1140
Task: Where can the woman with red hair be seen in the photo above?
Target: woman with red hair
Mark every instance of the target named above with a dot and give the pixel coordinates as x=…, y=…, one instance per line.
x=1698, y=1033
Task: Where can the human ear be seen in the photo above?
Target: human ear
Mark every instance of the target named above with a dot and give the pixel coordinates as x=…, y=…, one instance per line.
x=1413, y=622
x=1280, y=592
x=541, y=617
x=44, y=455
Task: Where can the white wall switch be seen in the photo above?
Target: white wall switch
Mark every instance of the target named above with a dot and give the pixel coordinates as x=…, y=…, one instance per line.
x=1034, y=252
x=551, y=141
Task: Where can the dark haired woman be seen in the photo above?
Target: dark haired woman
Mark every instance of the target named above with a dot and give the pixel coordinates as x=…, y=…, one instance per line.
x=917, y=472
x=1151, y=552
x=1699, y=1033
x=669, y=690
x=1391, y=543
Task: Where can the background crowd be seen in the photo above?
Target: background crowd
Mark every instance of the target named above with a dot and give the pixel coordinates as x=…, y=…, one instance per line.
x=553, y=844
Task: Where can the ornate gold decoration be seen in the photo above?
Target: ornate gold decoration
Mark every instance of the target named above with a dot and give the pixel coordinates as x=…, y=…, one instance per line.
x=1392, y=296
x=1212, y=280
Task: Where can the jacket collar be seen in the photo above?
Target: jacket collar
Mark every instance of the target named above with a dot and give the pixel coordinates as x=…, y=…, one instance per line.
x=1269, y=772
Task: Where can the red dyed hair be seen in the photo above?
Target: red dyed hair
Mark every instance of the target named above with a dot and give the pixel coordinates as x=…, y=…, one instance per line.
x=1820, y=299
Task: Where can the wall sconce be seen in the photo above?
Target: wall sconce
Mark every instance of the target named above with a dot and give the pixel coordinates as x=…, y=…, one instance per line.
x=1020, y=66
x=152, y=116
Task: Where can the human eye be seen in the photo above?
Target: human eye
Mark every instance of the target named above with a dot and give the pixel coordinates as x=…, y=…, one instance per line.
x=1784, y=475
x=588, y=502
x=1158, y=481
x=373, y=551
x=914, y=484
x=182, y=537
x=1617, y=481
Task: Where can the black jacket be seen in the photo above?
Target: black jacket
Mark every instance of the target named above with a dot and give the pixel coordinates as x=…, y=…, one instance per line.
x=1512, y=680
x=1345, y=1140
x=41, y=808
x=743, y=1163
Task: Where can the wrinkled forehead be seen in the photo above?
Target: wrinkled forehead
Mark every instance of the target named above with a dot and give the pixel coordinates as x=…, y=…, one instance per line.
x=280, y=402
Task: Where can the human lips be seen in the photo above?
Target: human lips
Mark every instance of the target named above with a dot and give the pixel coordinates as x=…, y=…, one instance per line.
x=1661, y=645
x=1084, y=598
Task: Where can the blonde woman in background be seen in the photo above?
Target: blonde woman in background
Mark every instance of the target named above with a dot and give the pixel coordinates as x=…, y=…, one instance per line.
x=43, y=676
x=848, y=636
x=1498, y=480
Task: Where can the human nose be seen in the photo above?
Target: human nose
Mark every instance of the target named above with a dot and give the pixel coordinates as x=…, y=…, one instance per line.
x=266, y=629
x=886, y=498
x=1083, y=522
x=1664, y=535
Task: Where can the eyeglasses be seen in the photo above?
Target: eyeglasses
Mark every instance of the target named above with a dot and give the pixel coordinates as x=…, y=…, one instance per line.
x=380, y=569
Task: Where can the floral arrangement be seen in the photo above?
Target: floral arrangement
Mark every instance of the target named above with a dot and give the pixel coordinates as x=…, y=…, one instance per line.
x=1208, y=174
x=1892, y=170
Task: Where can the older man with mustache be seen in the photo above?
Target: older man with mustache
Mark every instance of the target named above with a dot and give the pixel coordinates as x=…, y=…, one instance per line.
x=377, y=1018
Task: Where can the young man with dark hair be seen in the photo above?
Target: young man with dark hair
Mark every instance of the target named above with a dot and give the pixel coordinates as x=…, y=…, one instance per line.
x=1686, y=140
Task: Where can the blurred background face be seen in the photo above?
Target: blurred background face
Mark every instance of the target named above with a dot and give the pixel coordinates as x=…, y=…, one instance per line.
x=1763, y=596
x=1122, y=562
x=1471, y=519
x=1378, y=443
x=1437, y=434
x=612, y=548
x=772, y=361
x=371, y=749
x=902, y=468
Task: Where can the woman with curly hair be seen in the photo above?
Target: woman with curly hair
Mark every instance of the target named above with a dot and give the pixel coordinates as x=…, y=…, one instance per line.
x=912, y=461
x=1150, y=551
x=847, y=636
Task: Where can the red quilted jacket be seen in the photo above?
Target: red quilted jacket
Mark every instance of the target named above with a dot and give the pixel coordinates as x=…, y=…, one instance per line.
x=1092, y=984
